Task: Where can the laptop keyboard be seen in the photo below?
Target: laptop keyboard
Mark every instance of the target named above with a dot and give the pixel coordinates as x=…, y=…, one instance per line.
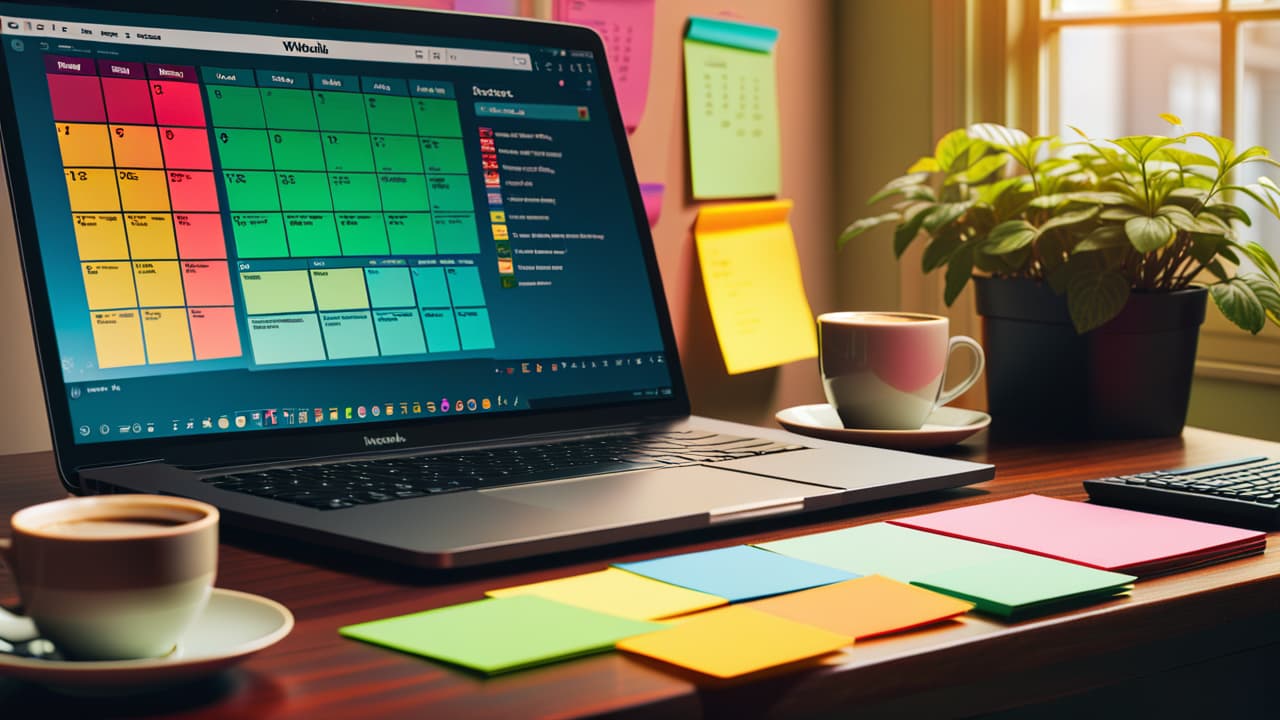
x=335, y=486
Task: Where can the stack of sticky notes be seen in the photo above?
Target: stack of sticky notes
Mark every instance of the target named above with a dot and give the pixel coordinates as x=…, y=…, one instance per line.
x=738, y=573
x=1103, y=537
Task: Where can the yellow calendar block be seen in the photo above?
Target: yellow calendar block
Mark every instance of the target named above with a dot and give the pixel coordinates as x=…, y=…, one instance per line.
x=159, y=283
x=84, y=145
x=118, y=338
x=136, y=146
x=150, y=236
x=92, y=190
x=100, y=236
x=143, y=190
x=108, y=285
x=168, y=336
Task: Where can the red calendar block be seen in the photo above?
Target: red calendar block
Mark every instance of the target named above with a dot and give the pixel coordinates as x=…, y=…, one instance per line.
x=206, y=282
x=185, y=148
x=76, y=98
x=214, y=333
x=200, y=236
x=192, y=191
x=128, y=101
x=177, y=103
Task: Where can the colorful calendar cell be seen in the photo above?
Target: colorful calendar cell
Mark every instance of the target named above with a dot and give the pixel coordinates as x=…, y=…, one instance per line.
x=240, y=149
x=340, y=289
x=437, y=118
x=259, y=235
x=362, y=234
x=389, y=114
x=143, y=190
x=450, y=192
x=92, y=190
x=404, y=193
x=347, y=152
x=474, y=329
x=151, y=236
x=231, y=106
x=341, y=112
x=389, y=287
x=275, y=292
x=136, y=146
x=108, y=285
x=288, y=109
x=167, y=335
x=192, y=191
x=441, y=331
x=200, y=236
x=443, y=155
x=100, y=236
x=159, y=283
x=206, y=283
x=214, y=332
x=430, y=286
x=128, y=101
x=456, y=234
x=117, y=338
x=396, y=153
x=251, y=190
x=84, y=145
x=185, y=148
x=410, y=233
x=76, y=98
x=349, y=334
x=354, y=191
x=280, y=339
x=312, y=235
x=464, y=286
x=399, y=332
x=296, y=150
x=177, y=103
x=304, y=191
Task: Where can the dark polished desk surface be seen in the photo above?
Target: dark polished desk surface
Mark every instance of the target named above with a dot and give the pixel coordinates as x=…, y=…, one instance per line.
x=1165, y=637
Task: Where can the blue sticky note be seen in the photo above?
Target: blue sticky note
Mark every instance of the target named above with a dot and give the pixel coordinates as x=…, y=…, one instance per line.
x=738, y=573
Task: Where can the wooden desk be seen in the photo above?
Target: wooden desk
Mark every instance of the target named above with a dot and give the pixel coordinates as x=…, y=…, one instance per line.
x=1162, y=645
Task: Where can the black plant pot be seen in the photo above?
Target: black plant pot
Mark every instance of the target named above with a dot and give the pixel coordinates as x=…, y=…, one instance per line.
x=1130, y=378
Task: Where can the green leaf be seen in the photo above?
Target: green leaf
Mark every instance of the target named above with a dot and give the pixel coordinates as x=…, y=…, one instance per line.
x=1263, y=260
x=959, y=270
x=1148, y=234
x=1184, y=158
x=1142, y=147
x=1009, y=236
x=897, y=186
x=951, y=146
x=1239, y=304
x=944, y=214
x=1005, y=138
x=1259, y=193
x=858, y=227
x=1218, y=271
x=1268, y=294
x=924, y=164
x=905, y=233
x=1078, y=131
x=1222, y=146
x=1172, y=119
x=1070, y=218
x=979, y=170
x=1228, y=212
x=1119, y=214
x=1105, y=237
x=1180, y=217
x=1094, y=297
x=938, y=252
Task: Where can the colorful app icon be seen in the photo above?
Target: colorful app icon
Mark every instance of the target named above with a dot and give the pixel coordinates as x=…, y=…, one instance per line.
x=444, y=404
x=495, y=199
x=486, y=404
x=346, y=413
x=500, y=232
x=223, y=423
x=471, y=404
x=497, y=216
x=376, y=410
x=391, y=409
x=361, y=412
x=431, y=407
x=241, y=421
x=506, y=266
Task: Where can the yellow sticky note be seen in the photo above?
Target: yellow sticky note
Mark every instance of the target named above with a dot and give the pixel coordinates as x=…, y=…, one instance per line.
x=865, y=607
x=754, y=289
x=734, y=641
x=619, y=593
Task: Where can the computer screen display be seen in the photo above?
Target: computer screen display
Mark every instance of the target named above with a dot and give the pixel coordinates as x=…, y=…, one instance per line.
x=254, y=226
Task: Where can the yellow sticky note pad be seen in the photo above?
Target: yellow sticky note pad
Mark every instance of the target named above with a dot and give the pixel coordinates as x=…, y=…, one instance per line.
x=618, y=592
x=865, y=607
x=751, y=272
x=734, y=641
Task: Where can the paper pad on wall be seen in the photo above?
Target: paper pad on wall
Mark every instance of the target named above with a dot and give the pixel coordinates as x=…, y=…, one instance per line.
x=627, y=29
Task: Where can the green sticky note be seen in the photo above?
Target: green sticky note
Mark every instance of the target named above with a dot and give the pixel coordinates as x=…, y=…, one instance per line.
x=1020, y=584
x=501, y=634
x=889, y=550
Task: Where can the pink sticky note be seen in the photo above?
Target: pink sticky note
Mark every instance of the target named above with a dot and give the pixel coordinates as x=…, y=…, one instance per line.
x=185, y=148
x=488, y=7
x=627, y=29
x=199, y=236
x=192, y=190
x=206, y=282
x=214, y=333
x=652, y=194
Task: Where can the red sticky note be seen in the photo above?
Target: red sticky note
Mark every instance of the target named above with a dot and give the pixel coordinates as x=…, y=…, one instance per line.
x=185, y=148
x=214, y=333
x=192, y=190
x=206, y=282
x=199, y=236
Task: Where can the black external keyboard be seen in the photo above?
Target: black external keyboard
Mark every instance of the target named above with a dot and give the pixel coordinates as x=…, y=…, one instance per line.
x=334, y=486
x=1236, y=492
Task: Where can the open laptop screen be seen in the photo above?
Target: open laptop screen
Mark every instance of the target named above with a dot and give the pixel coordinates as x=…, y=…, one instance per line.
x=245, y=226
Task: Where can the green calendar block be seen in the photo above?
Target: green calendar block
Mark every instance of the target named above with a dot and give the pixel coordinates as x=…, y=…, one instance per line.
x=410, y=233
x=407, y=193
x=362, y=233
x=259, y=235
x=312, y=235
x=389, y=114
x=288, y=109
x=341, y=111
x=304, y=191
x=233, y=106
x=450, y=193
x=437, y=118
x=441, y=155
x=355, y=191
x=251, y=190
x=347, y=152
x=396, y=154
x=243, y=149
x=296, y=150
x=456, y=234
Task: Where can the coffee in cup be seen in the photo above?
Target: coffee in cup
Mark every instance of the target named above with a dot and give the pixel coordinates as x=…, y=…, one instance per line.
x=886, y=370
x=114, y=577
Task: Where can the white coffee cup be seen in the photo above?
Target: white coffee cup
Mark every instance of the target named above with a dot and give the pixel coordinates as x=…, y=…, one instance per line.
x=886, y=370
x=113, y=577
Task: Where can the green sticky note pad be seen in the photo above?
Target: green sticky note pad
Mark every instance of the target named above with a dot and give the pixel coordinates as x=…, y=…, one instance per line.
x=501, y=634
x=1021, y=584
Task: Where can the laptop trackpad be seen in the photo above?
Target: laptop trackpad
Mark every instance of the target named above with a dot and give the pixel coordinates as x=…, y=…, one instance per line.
x=663, y=493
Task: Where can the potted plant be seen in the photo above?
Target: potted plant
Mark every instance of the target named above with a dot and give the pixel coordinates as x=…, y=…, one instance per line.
x=1093, y=260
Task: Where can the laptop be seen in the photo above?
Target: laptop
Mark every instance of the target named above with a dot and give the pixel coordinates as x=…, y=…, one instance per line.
x=375, y=279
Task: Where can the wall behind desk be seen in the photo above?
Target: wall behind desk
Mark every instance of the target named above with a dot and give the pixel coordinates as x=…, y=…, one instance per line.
x=805, y=87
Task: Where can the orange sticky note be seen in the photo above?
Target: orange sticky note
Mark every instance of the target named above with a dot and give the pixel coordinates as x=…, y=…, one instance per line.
x=865, y=607
x=618, y=592
x=734, y=641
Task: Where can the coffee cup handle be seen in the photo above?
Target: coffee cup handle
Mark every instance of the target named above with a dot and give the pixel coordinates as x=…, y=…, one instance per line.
x=14, y=627
x=979, y=362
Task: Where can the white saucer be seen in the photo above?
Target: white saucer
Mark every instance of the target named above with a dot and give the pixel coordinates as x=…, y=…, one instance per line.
x=945, y=426
x=233, y=626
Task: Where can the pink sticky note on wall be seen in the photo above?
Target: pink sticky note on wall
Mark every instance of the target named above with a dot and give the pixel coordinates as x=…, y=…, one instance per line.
x=652, y=194
x=627, y=29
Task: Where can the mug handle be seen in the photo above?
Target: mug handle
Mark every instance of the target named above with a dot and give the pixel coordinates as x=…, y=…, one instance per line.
x=979, y=362
x=13, y=626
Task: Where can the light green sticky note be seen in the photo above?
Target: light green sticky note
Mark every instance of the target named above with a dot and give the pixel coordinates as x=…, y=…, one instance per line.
x=501, y=634
x=1021, y=584
x=732, y=109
